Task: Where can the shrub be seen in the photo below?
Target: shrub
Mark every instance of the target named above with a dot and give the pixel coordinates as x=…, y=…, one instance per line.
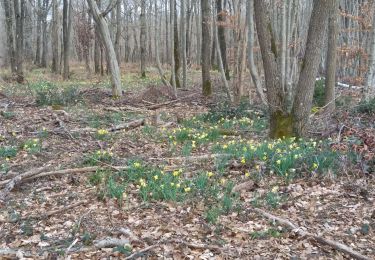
x=48, y=94
x=367, y=107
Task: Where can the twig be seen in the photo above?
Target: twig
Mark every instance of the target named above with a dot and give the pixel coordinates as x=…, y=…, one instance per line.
x=321, y=240
x=110, y=242
x=156, y=106
x=192, y=158
x=70, y=247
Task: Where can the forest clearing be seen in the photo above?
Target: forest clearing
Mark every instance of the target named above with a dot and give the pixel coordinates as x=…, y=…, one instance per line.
x=113, y=148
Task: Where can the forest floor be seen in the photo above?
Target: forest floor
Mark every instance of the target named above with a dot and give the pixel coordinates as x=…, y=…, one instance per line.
x=146, y=176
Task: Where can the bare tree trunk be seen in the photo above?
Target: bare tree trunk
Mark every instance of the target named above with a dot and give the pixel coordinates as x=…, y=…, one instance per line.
x=250, y=48
x=55, y=37
x=8, y=10
x=43, y=62
x=330, y=82
x=67, y=8
x=221, y=18
x=143, y=38
x=206, y=45
x=118, y=32
x=369, y=86
x=183, y=39
x=176, y=46
x=38, y=32
x=173, y=79
x=19, y=12
x=310, y=64
x=110, y=51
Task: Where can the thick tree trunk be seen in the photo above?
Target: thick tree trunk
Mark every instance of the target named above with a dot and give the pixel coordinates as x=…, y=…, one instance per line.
x=280, y=122
x=8, y=11
x=310, y=64
x=183, y=40
x=143, y=38
x=206, y=45
x=110, y=51
x=369, y=86
x=333, y=31
x=221, y=18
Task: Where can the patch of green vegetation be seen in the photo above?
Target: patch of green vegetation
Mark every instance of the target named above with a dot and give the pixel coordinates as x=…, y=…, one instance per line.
x=265, y=234
x=100, y=156
x=8, y=151
x=367, y=107
x=8, y=114
x=48, y=94
x=33, y=146
x=102, y=120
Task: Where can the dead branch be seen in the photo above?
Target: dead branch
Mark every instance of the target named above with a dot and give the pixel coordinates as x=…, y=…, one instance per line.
x=11, y=253
x=110, y=242
x=321, y=240
x=243, y=186
x=128, y=126
x=9, y=187
x=192, y=158
x=196, y=246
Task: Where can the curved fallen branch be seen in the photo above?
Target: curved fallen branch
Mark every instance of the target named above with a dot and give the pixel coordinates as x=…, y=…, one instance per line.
x=321, y=240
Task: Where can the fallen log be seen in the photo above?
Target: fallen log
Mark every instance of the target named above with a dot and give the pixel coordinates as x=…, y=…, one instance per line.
x=156, y=106
x=335, y=245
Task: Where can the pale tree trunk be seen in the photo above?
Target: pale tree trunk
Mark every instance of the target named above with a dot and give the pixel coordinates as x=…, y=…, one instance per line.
x=305, y=88
x=369, y=86
x=43, y=62
x=176, y=46
x=97, y=47
x=173, y=79
x=8, y=11
x=19, y=12
x=183, y=40
x=250, y=52
x=143, y=38
x=330, y=81
x=55, y=37
x=206, y=45
x=110, y=51
x=38, y=32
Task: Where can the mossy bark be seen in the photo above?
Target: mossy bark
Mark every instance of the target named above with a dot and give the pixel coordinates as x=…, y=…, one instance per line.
x=207, y=88
x=281, y=125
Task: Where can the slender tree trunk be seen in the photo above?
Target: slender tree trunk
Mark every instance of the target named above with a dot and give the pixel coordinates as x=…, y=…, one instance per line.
x=183, y=40
x=38, y=33
x=43, y=62
x=8, y=11
x=310, y=64
x=330, y=82
x=176, y=46
x=55, y=37
x=66, y=36
x=143, y=38
x=206, y=45
x=221, y=18
x=118, y=32
x=110, y=51
x=369, y=86
x=250, y=48
x=173, y=79
x=19, y=12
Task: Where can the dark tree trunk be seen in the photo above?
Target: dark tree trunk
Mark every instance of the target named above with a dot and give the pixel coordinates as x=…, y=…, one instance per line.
x=221, y=17
x=206, y=46
x=8, y=11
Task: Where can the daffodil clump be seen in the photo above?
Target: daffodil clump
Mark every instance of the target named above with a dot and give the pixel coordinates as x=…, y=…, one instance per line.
x=286, y=157
x=7, y=152
x=100, y=156
x=32, y=146
x=102, y=134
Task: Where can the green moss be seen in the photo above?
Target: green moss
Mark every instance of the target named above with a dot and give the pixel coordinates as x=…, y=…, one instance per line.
x=207, y=88
x=273, y=42
x=281, y=125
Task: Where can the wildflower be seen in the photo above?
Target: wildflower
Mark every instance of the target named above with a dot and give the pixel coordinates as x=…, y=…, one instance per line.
x=193, y=144
x=136, y=165
x=178, y=185
x=223, y=181
x=278, y=162
x=176, y=173
x=187, y=189
x=102, y=132
x=156, y=177
x=7, y=159
x=210, y=174
x=247, y=174
x=225, y=146
x=98, y=152
x=257, y=167
x=315, y=166
x=243, y=160
x=275, y=189
x=172, y=184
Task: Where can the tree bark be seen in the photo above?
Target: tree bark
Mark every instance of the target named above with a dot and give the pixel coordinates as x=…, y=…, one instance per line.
x=369, y=87
x=66, y=36
x=38, y=32
x=221, y=18
x=110, y=51
x=19, y=12
x=183, y=40
x=310, y=64
x=206, y=45
x=143, y=38
x=331, y=61
x=55, y=37
x=8, y=11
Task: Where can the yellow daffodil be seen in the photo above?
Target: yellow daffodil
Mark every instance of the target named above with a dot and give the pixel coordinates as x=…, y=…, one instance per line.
x=210, y=174
x=156, y=177
x=247, y=174
x=243, y=160
x=187, y=189
x=136, y=165
x=275, y=189
x=278, y=162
